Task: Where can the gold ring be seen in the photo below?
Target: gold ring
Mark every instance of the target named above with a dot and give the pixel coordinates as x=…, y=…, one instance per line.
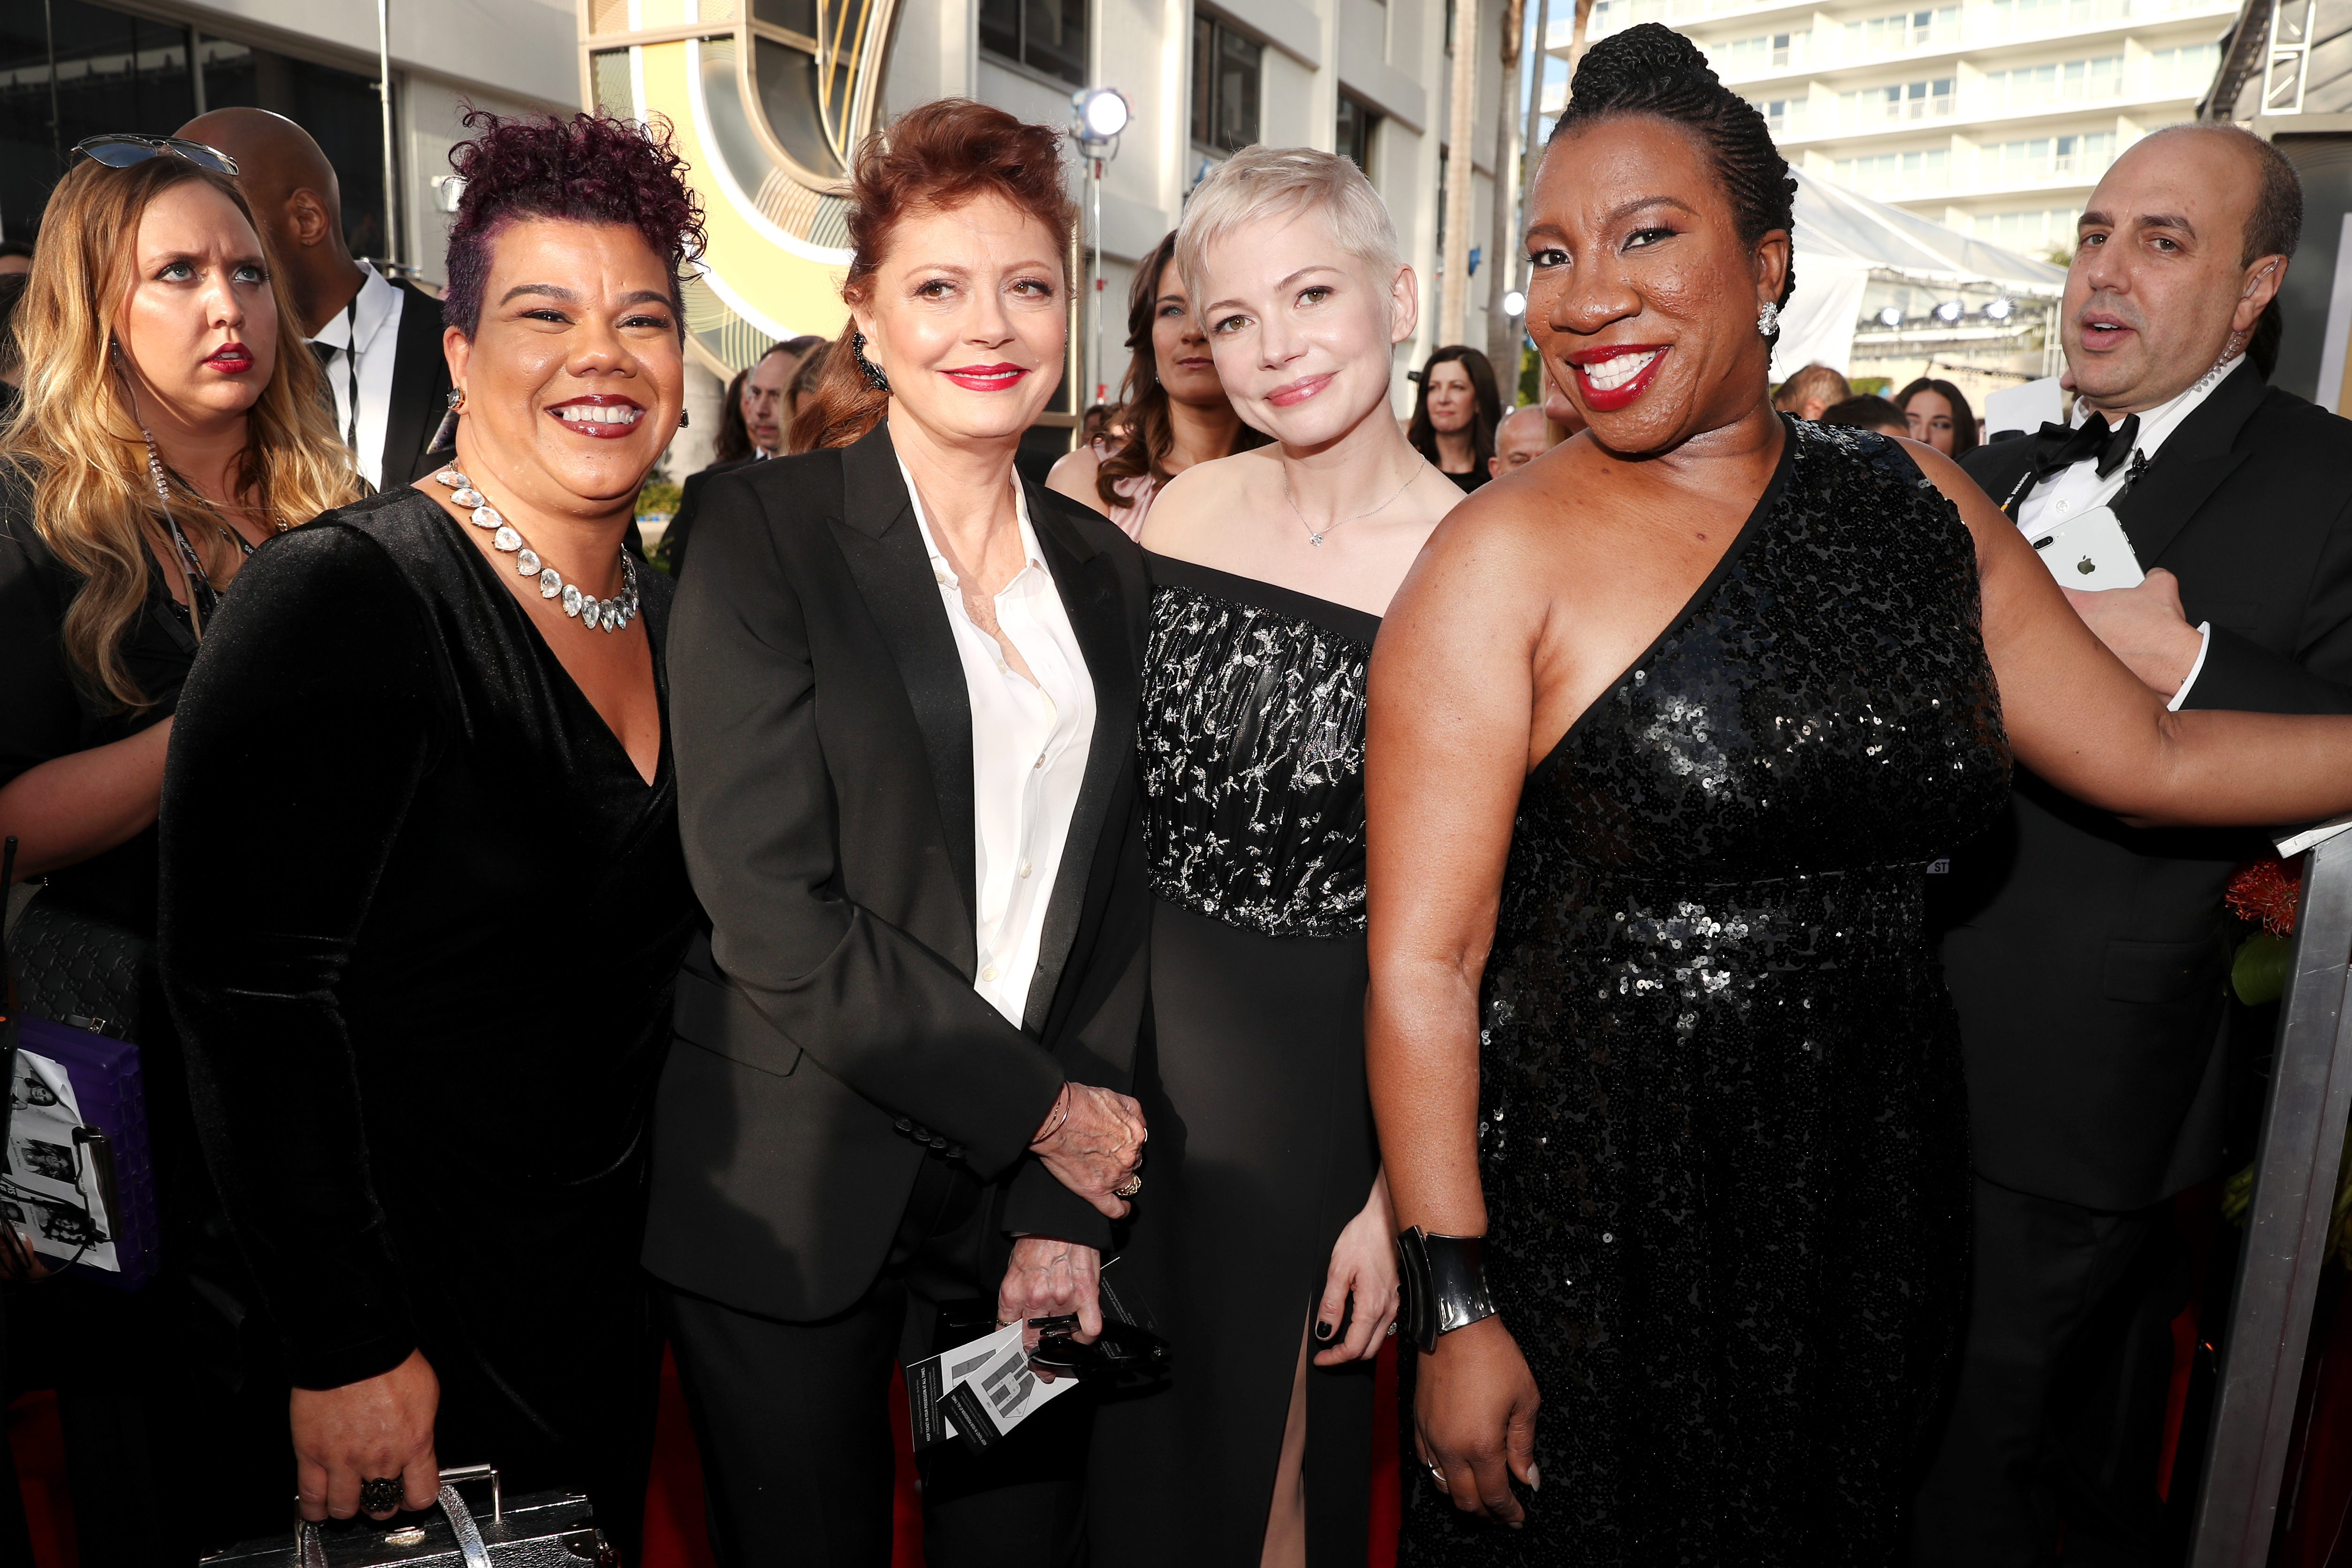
x=1129, y=1187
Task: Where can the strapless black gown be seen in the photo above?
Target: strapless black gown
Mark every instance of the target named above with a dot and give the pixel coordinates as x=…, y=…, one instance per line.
x=1721, y=1122
x=1253, y=1083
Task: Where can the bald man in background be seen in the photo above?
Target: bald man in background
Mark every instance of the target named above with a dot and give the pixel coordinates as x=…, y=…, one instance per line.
x=1522, y=437
x=379, y=342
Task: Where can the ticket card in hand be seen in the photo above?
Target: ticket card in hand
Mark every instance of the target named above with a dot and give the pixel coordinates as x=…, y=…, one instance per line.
x=977, y=1391
x=57, y=1199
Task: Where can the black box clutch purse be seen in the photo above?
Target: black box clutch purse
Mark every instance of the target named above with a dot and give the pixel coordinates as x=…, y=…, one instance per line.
x=545, y=1530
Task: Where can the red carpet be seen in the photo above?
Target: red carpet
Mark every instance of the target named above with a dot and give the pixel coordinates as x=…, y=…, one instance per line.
x=675, y=1535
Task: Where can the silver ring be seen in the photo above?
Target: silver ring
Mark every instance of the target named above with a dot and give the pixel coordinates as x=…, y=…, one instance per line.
x=1438, y=1476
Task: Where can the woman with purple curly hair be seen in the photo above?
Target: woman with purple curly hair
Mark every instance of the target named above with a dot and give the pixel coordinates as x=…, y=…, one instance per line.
x=423, y=894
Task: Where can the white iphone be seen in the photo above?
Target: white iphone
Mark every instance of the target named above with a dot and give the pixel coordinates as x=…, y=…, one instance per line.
x=2089, y=550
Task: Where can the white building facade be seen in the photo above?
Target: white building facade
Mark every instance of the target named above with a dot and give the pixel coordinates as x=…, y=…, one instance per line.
x=777, y=97
x=1995, y=118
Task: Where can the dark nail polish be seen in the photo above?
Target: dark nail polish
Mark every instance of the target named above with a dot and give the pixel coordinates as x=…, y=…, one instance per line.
x=1324, y=1332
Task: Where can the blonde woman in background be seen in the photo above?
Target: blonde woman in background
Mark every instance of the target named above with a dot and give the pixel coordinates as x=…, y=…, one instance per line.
x=1174, y=412
x=168, y=425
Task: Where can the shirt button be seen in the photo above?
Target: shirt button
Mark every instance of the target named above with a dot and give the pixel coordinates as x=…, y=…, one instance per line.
x=989, y=974
x=1040, y=761
x=1002, y=668
x=2064, y=507
x=1024, y=868
x=939, y=576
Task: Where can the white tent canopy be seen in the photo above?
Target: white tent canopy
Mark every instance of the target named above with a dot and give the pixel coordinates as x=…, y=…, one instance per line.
x=1842, y=239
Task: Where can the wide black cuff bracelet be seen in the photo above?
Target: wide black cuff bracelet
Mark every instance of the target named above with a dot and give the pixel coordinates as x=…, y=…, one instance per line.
x=1444, y=1284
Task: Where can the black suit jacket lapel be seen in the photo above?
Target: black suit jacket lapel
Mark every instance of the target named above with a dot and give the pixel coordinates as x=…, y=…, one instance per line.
x=420, y=386
x=883, y=547
x=2192, y=462
x=1090, y=590
x=1998, y=466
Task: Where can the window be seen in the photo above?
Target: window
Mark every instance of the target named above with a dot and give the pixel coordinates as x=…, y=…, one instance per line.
x=1896, y=173
x=1226, y=69
x=2020, y=18
x=1354, y=140
x=1767, y=51
x=117, y=72
x=1938, y=28
x=2079, y=158
x=2032, y=232
x=1049, y=35
x=1930, y=99
x=2037, y=86
x=2182, y=71
x=1782, y=115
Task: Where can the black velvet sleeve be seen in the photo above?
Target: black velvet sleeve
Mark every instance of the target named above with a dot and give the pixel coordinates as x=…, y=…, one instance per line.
x=39, y=719
x=303, y=733
x=879, y=1010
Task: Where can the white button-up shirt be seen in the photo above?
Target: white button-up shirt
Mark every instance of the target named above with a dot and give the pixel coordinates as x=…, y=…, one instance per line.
x=365, y=336
x=1029, y=747
x=2078, y=488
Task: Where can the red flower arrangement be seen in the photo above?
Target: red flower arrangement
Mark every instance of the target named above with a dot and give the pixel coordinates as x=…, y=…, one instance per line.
x=2266, y=893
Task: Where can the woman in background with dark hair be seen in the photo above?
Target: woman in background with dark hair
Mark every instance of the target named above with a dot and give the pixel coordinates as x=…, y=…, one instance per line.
x=1454, y=416
x=733, y=443
x=426, y=990
x=1174, y=408
x=1940, y=417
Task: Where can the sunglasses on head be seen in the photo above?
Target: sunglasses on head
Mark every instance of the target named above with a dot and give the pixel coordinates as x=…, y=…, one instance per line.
x=122, y=149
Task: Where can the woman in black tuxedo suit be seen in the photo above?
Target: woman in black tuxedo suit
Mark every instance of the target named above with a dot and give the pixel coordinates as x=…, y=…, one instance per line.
x=905, y=698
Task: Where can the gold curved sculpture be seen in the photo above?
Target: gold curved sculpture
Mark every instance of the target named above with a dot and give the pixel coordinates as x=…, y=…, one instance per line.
x=767, y=109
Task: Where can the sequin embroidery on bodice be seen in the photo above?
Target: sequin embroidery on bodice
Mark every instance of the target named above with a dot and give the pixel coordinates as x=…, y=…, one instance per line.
x=1252, y=751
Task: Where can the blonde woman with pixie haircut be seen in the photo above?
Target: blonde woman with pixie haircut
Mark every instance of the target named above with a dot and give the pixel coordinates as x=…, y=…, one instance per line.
x=1268, y=1243
x=168, y=425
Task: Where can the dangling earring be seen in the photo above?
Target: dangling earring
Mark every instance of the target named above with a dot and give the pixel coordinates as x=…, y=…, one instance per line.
x=1768, y=320
x=866, y=367
x=456, y=400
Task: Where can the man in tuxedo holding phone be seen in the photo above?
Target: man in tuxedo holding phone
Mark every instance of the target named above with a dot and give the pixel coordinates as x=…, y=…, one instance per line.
x=2086, y=956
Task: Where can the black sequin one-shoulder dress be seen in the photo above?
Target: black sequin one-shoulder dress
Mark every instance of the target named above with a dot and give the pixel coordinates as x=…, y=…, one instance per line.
x=1253, y=1080
x=1721, y=1121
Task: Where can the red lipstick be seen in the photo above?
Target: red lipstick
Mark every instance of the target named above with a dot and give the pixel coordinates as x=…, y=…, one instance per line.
x=231, y=359
x=986, y=377
x=1614, y=374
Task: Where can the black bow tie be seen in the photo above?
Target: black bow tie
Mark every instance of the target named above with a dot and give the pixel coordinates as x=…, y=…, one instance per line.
x=2061, y=447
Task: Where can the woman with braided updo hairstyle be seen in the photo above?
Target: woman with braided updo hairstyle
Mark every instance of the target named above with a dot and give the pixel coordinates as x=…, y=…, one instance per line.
x=1664, y=728
x=427, y=992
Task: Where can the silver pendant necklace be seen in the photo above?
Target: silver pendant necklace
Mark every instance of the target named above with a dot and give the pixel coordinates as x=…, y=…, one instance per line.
x=1314, y=535
x=611, y=614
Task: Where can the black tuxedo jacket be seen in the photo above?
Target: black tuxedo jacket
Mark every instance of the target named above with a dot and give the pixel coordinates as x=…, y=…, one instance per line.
x=420, y=389
x=2085, y=957
x=828, y=1026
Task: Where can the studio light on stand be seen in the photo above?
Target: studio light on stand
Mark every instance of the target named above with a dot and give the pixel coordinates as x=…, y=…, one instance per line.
x=1098, y=115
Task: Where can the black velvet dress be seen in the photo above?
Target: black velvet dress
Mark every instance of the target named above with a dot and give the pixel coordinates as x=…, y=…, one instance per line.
x=1261, y=1148
x=1721, y=1122
x=420, y=921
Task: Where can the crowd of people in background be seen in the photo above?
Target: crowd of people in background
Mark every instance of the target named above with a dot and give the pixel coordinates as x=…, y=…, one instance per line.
x=1580, y=885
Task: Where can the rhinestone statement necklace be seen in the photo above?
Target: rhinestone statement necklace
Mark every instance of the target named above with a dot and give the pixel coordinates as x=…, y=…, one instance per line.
x=611, y=614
